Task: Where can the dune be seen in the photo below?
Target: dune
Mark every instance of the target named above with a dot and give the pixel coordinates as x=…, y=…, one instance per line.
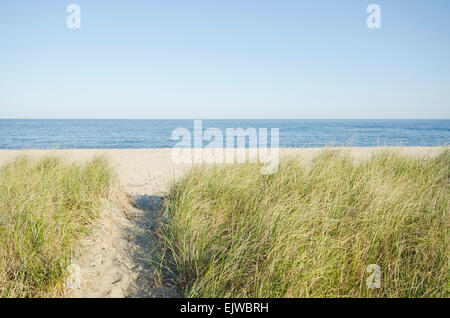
x=151, y=171
x=111, y=261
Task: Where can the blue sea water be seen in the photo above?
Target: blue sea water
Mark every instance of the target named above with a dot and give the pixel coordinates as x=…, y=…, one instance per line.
x=125, y=134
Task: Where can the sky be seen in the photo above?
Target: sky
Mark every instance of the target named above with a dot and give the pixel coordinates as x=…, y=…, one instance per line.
x=225, y=59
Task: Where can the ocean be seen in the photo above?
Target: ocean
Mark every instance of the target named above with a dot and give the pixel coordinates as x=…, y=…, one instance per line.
x=127, y=134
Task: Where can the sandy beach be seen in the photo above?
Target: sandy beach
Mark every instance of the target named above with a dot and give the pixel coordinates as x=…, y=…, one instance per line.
x=225, y=151
x=151, y=171
x=113, y=260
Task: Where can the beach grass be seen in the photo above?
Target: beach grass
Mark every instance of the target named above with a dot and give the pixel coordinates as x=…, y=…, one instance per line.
x=312, y=229
x=46, y=207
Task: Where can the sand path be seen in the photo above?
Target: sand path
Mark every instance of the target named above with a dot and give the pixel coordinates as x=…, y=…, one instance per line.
x=116, y=259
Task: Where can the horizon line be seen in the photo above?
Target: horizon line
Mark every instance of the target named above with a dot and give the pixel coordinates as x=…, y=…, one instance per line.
x=91, y=118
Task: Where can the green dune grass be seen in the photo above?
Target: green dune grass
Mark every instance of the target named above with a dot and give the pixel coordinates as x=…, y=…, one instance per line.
x=45, y=208
x=312, y=230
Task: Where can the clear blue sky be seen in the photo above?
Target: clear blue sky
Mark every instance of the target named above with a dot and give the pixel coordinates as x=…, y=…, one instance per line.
x=225, y=59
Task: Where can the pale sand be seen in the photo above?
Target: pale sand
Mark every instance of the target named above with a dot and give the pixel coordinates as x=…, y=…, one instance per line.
x=113, y=261
x=151, y=171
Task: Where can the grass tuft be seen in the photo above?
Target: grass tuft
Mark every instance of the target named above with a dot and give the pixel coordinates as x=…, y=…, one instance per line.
x=312, y=230
x=45, y=208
